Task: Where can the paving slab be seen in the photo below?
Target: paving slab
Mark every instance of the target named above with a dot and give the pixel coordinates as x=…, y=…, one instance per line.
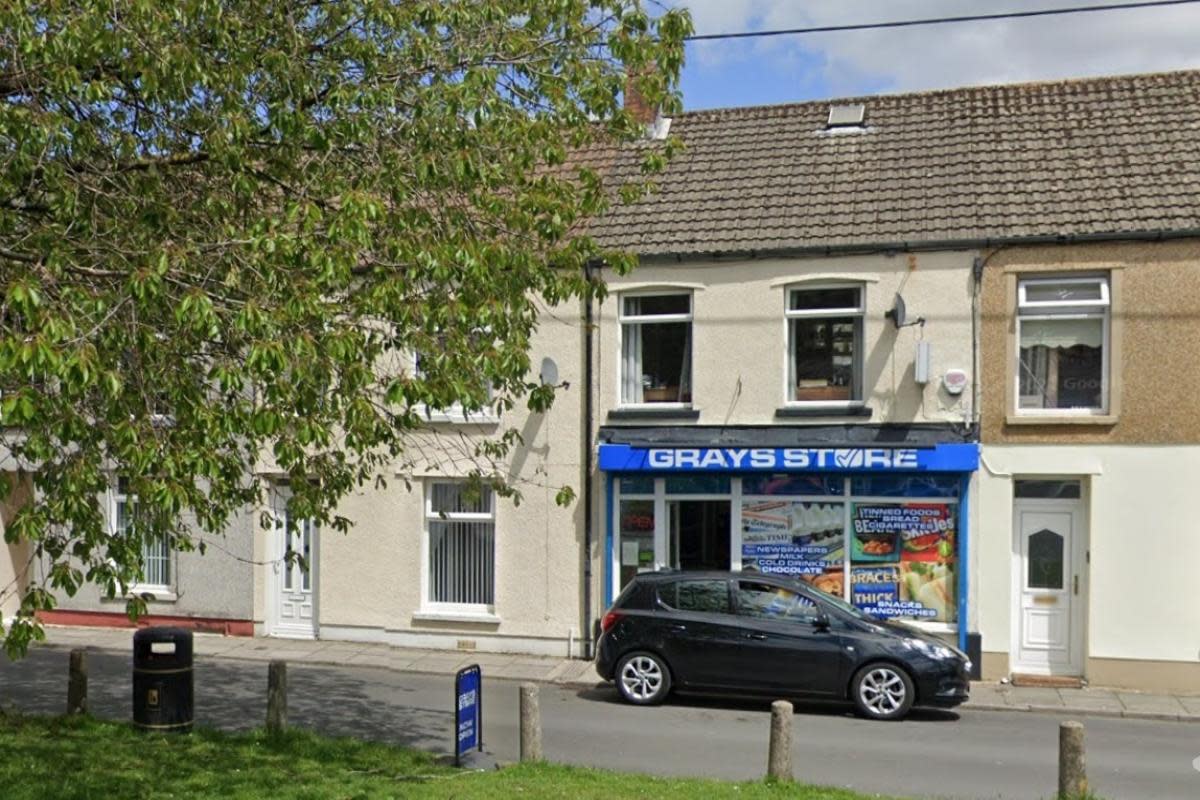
x=1151, y=703
x=988, y=695
x=1190, y=704
x=1091, y=700
x=1034, y=696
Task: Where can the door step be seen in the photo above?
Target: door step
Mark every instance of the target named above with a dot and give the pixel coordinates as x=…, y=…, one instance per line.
x=1048, y=681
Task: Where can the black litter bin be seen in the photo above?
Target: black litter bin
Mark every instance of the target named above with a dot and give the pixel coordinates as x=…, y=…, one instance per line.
x=162, y=679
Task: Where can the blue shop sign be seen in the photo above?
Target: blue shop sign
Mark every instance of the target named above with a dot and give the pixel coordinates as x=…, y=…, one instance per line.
x=939, y=458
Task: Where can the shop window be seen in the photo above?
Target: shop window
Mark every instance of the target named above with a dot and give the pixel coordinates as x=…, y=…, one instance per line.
x=656, y=348
x=461, y=526
x=1062, y=338
x=792, y=485
x=697, y=484
x=825, y=344
x=792, y=537
x=636, y=529
x=906, y=486
x=636, y=484
x=157, y=557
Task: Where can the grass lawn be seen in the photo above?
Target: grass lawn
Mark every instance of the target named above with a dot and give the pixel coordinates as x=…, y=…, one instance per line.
x=66, y=758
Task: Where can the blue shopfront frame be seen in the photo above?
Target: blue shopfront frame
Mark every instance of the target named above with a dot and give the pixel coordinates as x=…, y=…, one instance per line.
x=960, y=460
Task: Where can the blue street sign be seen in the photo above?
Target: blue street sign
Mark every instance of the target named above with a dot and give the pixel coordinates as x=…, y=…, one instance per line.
x=468, y=711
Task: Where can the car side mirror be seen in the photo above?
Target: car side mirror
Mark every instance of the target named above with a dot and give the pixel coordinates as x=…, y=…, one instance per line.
x=821, y=621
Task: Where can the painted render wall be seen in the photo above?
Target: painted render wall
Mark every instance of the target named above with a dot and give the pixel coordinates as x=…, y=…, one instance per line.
x=739, y=349
x=370, y=579
x=215, y=585
x=740, y=346
x=1139, y=465
x=1143, y=537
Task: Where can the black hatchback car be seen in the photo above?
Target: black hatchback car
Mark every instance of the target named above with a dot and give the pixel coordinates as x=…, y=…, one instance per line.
x=758, y=634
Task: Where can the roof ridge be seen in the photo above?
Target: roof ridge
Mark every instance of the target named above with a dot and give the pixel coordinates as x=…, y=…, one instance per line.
x=1098, y=80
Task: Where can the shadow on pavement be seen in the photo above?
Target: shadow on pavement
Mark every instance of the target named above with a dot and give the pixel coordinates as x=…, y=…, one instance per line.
x=231, y=695
x=826, y=708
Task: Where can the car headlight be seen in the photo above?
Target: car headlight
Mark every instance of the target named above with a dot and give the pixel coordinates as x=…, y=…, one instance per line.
x=938, y=652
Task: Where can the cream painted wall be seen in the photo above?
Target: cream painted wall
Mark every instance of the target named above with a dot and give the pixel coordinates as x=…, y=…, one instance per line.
x=1144, y=539
x=740, y=338
x=369, y=579
x=14, y=558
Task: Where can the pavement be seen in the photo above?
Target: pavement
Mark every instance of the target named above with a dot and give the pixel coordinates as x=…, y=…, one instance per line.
x=576, y=673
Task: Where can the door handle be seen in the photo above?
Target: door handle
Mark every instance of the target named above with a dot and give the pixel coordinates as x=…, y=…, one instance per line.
x=679, y=628
x=758, y=636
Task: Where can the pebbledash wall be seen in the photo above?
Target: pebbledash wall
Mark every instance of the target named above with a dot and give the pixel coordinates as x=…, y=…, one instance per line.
x=374, y=583
x=1136, y=469
x=751, y=475
x=210, y=592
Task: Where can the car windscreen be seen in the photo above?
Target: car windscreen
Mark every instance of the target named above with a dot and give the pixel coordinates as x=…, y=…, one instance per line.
x=838, y=603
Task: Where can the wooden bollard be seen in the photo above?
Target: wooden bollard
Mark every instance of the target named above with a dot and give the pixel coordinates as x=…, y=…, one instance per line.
x=1072, y=766
x=77, y=683
x=277, y=697
x=531, y=724
x=779, y=752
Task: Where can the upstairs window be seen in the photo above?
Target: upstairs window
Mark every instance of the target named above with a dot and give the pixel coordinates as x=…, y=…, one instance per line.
x=1062, y=336
x=825, y=344
x=656, y=348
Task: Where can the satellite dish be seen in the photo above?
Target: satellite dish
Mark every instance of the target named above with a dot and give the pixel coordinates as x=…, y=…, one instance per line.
x=549, y=372
x=898, y=315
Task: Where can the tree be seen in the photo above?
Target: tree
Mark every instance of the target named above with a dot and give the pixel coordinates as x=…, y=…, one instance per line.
x=226, y=226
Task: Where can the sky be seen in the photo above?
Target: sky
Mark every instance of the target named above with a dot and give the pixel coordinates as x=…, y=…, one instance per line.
x=788, y=69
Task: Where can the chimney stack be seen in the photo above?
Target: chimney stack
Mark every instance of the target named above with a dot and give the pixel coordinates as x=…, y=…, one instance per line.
x=636, y=104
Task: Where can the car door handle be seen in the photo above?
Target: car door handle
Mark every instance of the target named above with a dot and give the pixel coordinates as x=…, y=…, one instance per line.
x=758, y=636
x=679, y=628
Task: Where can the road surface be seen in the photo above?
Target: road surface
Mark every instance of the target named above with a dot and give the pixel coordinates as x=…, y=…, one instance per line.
x=970, y=754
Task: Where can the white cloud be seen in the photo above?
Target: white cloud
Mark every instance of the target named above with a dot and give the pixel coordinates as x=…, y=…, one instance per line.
x=926, y=57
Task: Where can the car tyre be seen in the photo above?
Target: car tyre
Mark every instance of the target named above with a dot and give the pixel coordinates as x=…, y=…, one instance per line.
x=643, y=678
x=882, y=691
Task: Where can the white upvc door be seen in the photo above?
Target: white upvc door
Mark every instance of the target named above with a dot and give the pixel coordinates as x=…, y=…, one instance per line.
x=293, y=573
x=1049, y=577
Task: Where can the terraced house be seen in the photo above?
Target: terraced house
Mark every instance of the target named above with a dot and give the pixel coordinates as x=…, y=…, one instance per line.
x=929, y=352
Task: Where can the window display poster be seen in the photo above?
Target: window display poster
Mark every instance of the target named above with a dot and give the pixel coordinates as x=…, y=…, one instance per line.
x=788, y=537
x=914, y=546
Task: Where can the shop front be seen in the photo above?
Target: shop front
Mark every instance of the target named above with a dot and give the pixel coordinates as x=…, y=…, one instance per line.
x=883, y=526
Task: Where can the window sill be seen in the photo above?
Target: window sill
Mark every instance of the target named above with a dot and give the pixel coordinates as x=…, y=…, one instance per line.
x=459, y=417
x=1065, y=419
x=434, y=615
x=160, y=594
x=823, y=410
x=651, y=412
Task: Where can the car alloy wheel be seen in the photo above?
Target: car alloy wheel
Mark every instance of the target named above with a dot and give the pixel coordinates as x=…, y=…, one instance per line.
x=882, y=691
x=642, y=678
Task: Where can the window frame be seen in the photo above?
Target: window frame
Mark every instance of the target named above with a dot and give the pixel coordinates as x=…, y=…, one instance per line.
x=624, y=319
x=163, y=592
x=859, y=312
x=435, y=610
x=1064, y=310
x=455, y=414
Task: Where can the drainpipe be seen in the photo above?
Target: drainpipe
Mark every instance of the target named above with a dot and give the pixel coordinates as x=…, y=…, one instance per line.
x=588, y=500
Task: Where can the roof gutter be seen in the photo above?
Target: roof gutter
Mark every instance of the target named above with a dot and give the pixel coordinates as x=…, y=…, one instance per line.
x=926, y=245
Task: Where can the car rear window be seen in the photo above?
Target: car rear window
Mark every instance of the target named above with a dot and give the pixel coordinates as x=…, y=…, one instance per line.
x=710, y=596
